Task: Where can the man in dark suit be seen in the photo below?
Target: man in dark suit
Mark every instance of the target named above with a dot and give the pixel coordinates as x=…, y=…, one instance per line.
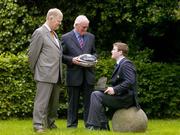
x=45, y=58
x=122, y=93
x=79, y=79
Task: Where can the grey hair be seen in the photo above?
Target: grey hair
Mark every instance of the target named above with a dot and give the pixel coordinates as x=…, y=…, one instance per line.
x=54, y=12
x=79, y=19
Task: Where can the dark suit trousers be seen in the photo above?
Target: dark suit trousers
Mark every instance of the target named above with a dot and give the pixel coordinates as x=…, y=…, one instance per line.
x=74, y=94
x=99, y=101
x=46, y=104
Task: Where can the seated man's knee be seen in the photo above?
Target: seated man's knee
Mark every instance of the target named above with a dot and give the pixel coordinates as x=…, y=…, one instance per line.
x=96, y=94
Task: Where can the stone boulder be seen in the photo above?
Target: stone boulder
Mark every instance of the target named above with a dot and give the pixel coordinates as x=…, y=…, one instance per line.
x=129, y=120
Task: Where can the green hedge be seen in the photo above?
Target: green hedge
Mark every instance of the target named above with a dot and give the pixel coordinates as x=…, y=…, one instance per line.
x=15, y=86
x=159, y=87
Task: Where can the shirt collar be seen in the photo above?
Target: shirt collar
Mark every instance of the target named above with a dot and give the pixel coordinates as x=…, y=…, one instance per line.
x=119, y=59
x=77, y=34
x=47, y=27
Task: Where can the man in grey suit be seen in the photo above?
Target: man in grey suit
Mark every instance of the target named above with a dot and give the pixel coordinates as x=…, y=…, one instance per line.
x=45, y=58
x=122, y=93
x=79, y=79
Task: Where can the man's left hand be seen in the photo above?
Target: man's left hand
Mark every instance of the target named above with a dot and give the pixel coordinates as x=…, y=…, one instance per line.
x=109, y=91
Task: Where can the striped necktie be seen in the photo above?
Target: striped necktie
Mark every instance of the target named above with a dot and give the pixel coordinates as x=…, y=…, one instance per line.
x=52, y=34
x=81, y=42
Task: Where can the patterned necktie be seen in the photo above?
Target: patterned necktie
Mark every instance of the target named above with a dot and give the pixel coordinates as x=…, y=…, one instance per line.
x=81, y=42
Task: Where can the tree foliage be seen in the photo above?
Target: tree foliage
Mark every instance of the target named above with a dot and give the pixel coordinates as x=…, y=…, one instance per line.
x=140, y=23
x=16, y=25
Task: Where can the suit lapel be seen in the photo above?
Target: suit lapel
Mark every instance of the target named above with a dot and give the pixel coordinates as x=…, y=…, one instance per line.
x=85, y=42
x=74, y=39
x=56, y=36
x=53, y=40
x=85, y=39
x=50, y=37
x=118, y=66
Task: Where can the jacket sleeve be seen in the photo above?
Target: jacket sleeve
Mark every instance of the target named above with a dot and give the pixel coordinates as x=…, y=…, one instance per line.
x=127, y=78
x=34, y=49
x=66, y=59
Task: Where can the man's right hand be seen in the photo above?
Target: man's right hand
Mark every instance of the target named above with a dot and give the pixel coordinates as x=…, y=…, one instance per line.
x=75, y=60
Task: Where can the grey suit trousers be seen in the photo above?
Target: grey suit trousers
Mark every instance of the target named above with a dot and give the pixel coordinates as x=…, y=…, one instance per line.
x=45, y=104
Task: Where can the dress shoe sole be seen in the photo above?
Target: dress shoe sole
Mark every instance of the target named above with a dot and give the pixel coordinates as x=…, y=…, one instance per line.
x=41, y=130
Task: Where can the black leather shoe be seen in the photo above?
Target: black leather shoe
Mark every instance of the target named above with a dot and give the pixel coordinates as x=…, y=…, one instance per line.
x=93, y=128
x=105, y=126
x=73, y=127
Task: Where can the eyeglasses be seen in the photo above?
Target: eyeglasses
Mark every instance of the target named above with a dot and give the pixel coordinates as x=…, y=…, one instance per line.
x=84, y=27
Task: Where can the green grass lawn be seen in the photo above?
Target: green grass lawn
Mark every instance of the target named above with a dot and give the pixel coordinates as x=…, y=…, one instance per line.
x=24, y=127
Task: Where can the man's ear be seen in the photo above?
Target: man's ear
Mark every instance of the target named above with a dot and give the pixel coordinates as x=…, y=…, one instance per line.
x=120, y=52
x=51, y=17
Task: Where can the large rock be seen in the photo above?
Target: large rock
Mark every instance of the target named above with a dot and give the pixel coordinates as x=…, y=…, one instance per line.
x=129, y=120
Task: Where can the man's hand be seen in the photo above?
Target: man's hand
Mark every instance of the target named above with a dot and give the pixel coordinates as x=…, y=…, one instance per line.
x=109, y=91
x=75, y=61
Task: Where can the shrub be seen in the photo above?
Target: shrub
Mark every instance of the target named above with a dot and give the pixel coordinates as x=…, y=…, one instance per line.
x=158, y=86
x=16, y=86
x=159, y=89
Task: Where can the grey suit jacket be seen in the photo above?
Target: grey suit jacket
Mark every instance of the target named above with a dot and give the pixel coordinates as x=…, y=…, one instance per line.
x=71, y=48
x=45, y=56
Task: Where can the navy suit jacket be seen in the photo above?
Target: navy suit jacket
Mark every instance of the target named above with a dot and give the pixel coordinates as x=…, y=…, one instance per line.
x=71, y=48
x=124, y=81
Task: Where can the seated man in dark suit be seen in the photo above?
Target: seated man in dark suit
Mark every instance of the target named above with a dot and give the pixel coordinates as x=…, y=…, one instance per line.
x=122, y=93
